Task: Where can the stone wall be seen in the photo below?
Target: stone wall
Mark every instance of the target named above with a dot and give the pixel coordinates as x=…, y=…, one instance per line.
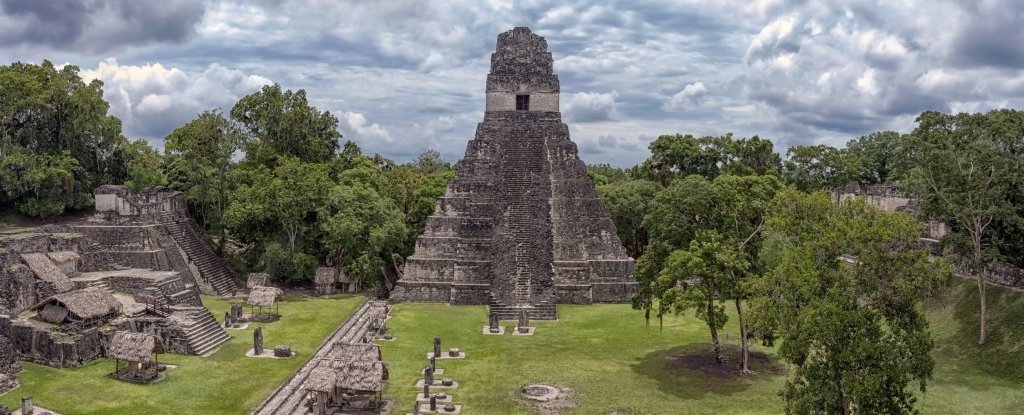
x=56, y=349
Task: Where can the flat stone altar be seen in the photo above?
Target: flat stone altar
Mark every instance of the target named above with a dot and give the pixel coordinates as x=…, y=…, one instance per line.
x=520, y=226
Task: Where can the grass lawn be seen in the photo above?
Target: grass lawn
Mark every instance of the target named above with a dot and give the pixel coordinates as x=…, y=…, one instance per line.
x=604, y=352
x=615, y=363
x=225, y=383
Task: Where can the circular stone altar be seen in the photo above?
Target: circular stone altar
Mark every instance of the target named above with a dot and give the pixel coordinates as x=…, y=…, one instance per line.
x=539, y=392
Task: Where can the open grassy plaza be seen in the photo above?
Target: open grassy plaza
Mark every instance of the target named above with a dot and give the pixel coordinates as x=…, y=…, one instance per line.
x=227, y=382
x=615, y=364
x=607, y=356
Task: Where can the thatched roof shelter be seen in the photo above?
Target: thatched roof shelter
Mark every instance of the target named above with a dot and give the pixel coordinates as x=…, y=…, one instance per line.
x=353, y=351
x=135, y=347
x=353, y=376
x=257, y=279
x=46, y=270
x=264, y=296
x=81, y=305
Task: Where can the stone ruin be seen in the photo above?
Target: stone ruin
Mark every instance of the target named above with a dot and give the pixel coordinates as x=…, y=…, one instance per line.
x=520, y=226
x=65, y=289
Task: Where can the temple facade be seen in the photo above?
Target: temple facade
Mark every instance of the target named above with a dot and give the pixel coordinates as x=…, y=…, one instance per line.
x=520, y=226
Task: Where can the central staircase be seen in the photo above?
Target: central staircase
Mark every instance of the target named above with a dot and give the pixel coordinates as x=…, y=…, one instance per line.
x=211, y=267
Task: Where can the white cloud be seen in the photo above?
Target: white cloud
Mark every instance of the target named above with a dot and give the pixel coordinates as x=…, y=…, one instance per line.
x=354, y=127
x=151, y=99
x=689, y=97
x=590, y=106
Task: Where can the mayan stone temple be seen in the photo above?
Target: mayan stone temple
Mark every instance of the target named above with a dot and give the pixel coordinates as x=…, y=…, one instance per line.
x=520, y=226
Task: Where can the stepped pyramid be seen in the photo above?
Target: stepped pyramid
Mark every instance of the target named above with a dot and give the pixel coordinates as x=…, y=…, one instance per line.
x=520, y=226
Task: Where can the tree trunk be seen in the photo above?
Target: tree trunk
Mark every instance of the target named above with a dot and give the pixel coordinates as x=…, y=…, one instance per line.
x=744, y=344
x=979, y=272
x=715, y=344
x=292, y=234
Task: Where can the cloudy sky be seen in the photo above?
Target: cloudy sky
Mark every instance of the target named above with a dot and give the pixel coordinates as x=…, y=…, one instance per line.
x=406, y=76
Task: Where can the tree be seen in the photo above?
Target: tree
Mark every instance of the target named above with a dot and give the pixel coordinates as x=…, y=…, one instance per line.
x=962, y=168
x=42, y=184
x=876, y=154
x=54, y=128
x=288, y=196
x=430, y=162
x=627, y=202
x=678, y=156
x=844, y=290
x=698, y=277
x=746, y=156
x=362, y=229
x=282, y=123
x=713, y=224
x=143, y=165
x=198, y=163
x=812, y=168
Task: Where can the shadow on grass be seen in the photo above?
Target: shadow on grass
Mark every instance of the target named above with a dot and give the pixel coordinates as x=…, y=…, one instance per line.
x=1002, y=355
x=690, y=371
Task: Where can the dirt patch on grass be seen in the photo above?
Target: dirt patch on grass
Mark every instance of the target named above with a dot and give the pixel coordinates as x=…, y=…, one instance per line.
x=704, y=361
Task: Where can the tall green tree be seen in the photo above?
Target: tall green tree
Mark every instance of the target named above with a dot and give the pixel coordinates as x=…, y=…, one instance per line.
x=877, y=155
x=627, y=203
x=698, y=278
x=143, y=164
x=362, y=229
x=282, y=123
x=844, y=291
x=198, y=162
x=677, y=156
x=962, y=167
x=812, y=168
x=289, y=197
x=54, y=127
x=688, y=222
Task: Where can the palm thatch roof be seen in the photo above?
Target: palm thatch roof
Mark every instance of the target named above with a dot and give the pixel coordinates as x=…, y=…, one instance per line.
x=257, y=279
x=326, y=275
x=264, y=296
x=135, y=347
x=357, y=376
x=353, y=351
x=46, y=270
x=85, y=304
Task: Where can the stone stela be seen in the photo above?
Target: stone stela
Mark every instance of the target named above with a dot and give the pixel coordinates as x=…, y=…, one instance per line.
x=520, y=226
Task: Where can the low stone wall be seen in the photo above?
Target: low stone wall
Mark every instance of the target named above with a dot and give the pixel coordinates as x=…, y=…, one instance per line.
x=54, y=349
x=613, y=292
x=438, y=292
x=468, y=294
x=573, y=294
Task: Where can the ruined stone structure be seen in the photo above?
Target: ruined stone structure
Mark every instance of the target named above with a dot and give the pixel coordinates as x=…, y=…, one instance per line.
x=890, y=199
x=520, y=226
x=64, y=289
x=151, y=230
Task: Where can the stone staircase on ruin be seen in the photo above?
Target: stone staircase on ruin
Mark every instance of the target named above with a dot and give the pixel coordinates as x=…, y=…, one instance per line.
x=523, y=165
x=204, y=333
x=211, y=267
